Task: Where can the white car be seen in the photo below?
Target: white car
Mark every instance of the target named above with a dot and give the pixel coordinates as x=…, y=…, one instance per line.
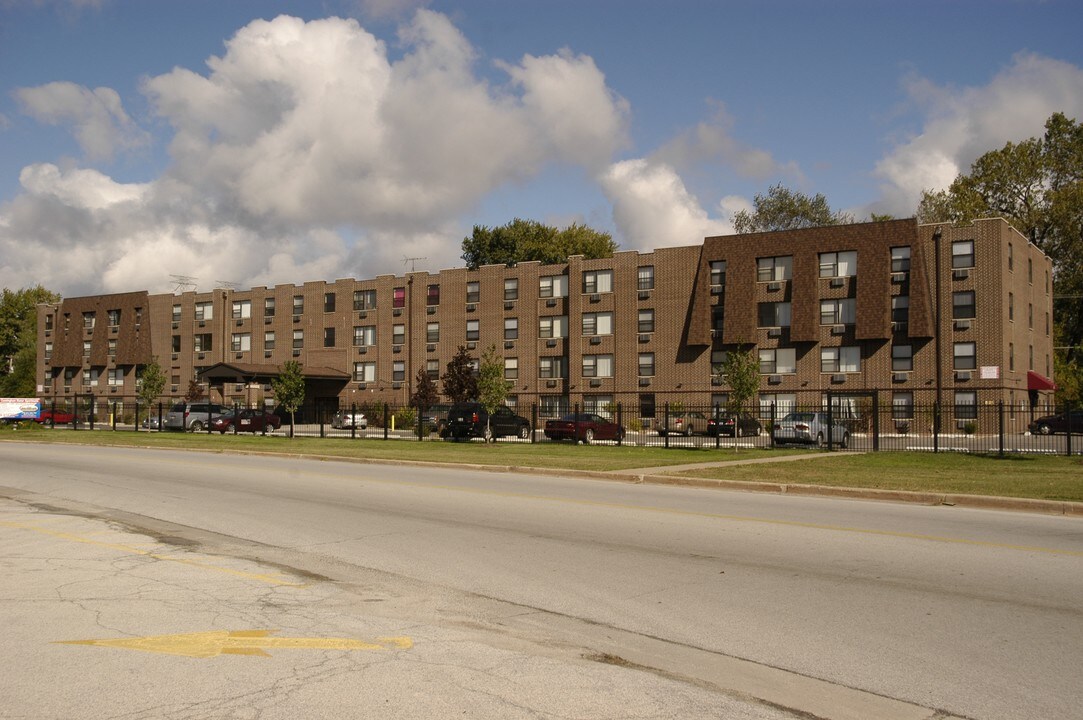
x=344, y=420
x=809, y=428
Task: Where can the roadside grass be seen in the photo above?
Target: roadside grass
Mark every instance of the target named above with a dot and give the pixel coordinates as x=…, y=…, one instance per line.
x=1041, y=477
x=1026, y=476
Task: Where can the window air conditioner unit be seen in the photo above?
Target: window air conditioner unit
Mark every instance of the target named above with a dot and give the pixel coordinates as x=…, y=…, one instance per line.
x=898, y=278
x=550, y=343
x=899, y=327
x=396, y=349
x=550, y=303
x=430, y=348
x=202, y=323
x=595, y=383
x=297, y=353
x=551, y=383
x=774, y=379
x=267, y=320
x=509, y=306
x=267, y=353
x=595, y=341
x=898, y=377
x=509, y=345
x=774, y=287
x=962, y=375
x=362, y=315
x=239, y=355
x=838, y=329
x=960, y=274
x=431, y=310
x=962, y=324
x=240, y=322
x=644, y=338
x=396, y=386
x=471, y=346
x=297, y=318
x=837, y=282
x=397, y=312
x=362, y=350
x=644, y=382
x=201, y=356
x=362, y=386
x=774, y=332
x=716, y=381
x=716, y=333
x=175, y=356
x=644, y=294
x=839, y=378
x=595, y=298
x=717, y=289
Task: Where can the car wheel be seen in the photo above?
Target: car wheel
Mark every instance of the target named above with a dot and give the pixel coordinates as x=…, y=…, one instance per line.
x=222, y=431
x=620, y=435
x=524, y=432
x=758, y=431
x=820, y=440
x=196, y=426
x=270, y=429
x=588, y=436
x=1044, y=429
x=488, y=435
x=845, y=441
x=48, y=423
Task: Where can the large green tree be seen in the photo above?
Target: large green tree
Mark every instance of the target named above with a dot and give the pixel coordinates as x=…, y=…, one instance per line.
x=740, y=370
x=1037, y=186
x=785, y=209
x=19, y=339
x=492, y=387
x=289, y=389
x=523, y=240
x=151, y=382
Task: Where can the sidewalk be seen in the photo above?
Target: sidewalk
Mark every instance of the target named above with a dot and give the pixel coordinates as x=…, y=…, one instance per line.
x=666, y=469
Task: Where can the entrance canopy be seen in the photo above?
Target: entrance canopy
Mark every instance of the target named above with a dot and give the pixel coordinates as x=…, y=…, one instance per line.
x=1039, y=382
x=251, y=373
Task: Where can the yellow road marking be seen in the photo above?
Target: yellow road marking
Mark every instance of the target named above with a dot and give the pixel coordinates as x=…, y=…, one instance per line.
x=240, y=642
x=279, y=579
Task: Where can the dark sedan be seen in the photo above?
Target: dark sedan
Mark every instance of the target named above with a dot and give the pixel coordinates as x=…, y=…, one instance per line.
x=253, y=421
x=747, y=426
x=585, y=427
x=1052, y=424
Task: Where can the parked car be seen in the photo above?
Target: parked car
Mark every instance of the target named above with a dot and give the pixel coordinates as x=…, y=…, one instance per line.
x=470, y=420
x=1052, y=424
x=809, y=428
x=247, y=420
x=435, y=418
x=150, y=422
x=191, y=416
x=345, y=419
x=585, y=427
x=746, y=426
x=55, y=417
x=684, y=423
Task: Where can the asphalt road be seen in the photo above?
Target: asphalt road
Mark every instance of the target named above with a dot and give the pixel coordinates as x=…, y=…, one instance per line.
x=684, y=602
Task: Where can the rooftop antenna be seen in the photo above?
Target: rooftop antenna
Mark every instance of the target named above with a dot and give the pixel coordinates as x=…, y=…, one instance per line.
x=183, y=283
x=225, y=284
x=412, y=261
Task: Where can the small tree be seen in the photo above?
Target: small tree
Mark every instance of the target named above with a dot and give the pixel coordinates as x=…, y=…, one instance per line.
x=289, y=388
x=492, y=387
x=460, y=385
x=195, y=391
x=423, y=398
x=741, y=371
x=151, y=383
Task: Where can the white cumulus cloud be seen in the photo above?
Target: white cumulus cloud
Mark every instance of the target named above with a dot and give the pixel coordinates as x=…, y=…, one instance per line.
x=97, y=117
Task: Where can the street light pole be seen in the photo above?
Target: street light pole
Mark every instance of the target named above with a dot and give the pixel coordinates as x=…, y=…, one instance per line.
x=936, y=341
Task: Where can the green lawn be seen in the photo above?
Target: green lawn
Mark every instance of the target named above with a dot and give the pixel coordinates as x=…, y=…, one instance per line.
x=1041, y=477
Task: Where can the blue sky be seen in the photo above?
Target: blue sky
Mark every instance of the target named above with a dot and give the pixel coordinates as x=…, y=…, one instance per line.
x=282, y=141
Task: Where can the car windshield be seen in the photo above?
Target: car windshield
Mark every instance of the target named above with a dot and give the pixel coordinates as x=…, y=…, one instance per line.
x=801, y=417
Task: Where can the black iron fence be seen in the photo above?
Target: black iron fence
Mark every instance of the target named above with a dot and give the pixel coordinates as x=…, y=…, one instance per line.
x=866, y=426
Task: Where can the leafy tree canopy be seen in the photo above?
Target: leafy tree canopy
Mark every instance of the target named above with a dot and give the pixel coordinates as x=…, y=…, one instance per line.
x=460, y=385
x=19, y=339
x=151, y=382
x=524, y=240
x=785, y=209
x=492, y=387
x=741, y=371
x=426, y=394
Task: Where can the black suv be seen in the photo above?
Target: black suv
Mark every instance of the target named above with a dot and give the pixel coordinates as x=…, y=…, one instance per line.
x=470, y=420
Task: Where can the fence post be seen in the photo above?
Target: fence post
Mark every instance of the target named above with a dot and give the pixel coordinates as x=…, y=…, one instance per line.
x=386, y=418
x=114, y=416
x=936, y=426
x=718, y=428
x=876, y=421
x=210, y=413
x=534, y=422
x=353, y=421
x=160, y=428
x=1000, y=427
x=830, y=421
x=575, y=423
x=773, y=421
x=137, y=415
x=236, y=418
x=1069, y=428
x=92, y=418
x=666, y=426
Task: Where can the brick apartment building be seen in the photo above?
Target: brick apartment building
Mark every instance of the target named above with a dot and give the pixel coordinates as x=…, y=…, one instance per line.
x=848, y=309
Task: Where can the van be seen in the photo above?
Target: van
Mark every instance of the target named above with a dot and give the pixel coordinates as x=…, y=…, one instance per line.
x=191, y=416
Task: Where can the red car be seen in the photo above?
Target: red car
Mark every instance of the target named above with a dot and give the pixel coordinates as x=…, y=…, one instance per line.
x=55, y=417
x=587, y=427
x=253, y=421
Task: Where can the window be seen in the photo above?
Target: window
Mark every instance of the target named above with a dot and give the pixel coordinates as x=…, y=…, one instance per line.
x=269, y=340
x=364, y=335
x=90, y=377
x=646, y=321
x=473, y=291
x=511, y=328
x=398, y=371
x=646, y=405
x=718, y=359
x=364, y=372
x=511, y=289
x=114, y=318
x=511, y=368
x=473, y=329
x=900, y=259
x=328, y=337
x=398, y=334
x=774, y=269
x=176, y=314
x=962, y=254
x=1030, y=316
x=116, y=377
x=902, y=406
x=902, y=358
x=204, y=311
x=599, y=405
x=298, y=339
x=777, y=403
x=598, y=323
x=966, y=405
x=432, y=295
x=49, y=348
x=553, y=286
x=900, y=308
x=112, y=347
x=600, y=366
x=1011, y=357
x=69, y=375
x=86, y=348
x=552, y=367
x=176, y=343
x=1030, y=271
x=1030, y=359
x=432, y=369
x=88, y=321
x=837, y=312
x=298, y=304
x=432, y=332
x=965, y=355
x=838, y=264
x=718, y=318
x=1011, y=306
x=398, y=297
x=645, y=278
x=718, y=273
x=1011, y=258
x=840, y=360
x=242, y=309
x=778, y=361
x=329, y=302
x=646, y=364
x=553, y=405
x=553, y=327
x=598, y=281
x=269, y=307
x=240, y=342
x=962, y=305
x=774, y=314
x=364, y=299
x=203, y=343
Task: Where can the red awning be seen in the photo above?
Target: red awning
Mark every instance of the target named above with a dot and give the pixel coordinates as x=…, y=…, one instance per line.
x=1039, y=382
